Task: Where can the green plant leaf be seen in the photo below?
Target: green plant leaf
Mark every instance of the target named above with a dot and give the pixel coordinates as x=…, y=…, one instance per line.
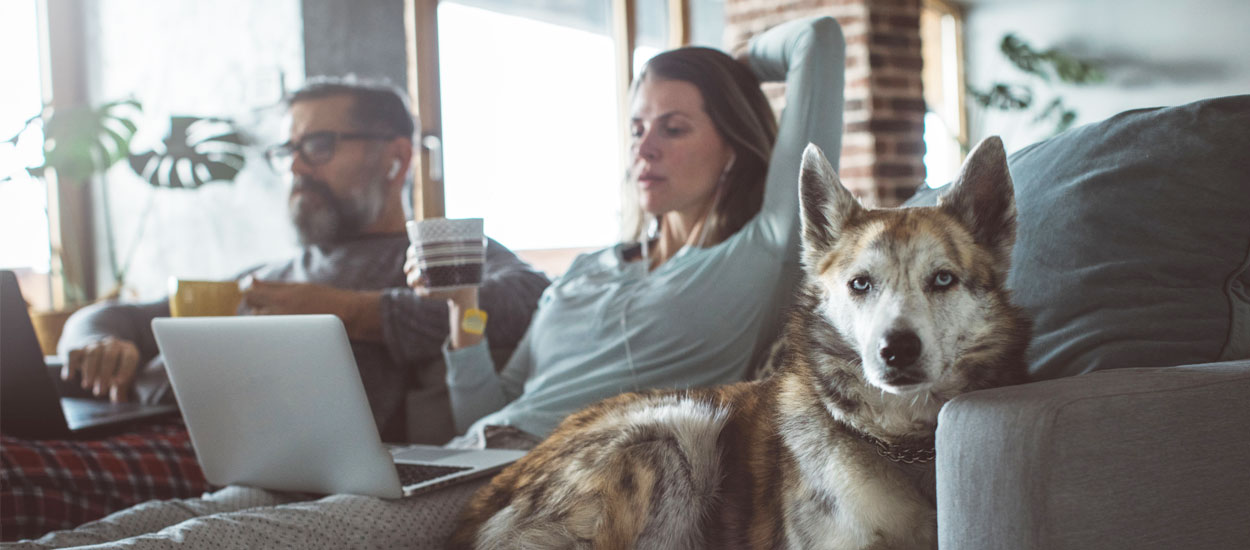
x=1065, y=121
x=1075, y=71
x=1022, y=56
x=1056, y=105
x=1066, y=68
x=82, y=141
x=196, y=151
x=1005, y=97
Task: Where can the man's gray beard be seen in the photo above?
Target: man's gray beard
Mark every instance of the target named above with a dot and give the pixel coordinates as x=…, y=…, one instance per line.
x=336, y=219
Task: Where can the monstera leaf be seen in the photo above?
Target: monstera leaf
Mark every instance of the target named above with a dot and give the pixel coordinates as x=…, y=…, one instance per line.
x=196, y=151
x=1046, y=67
x=81, y=141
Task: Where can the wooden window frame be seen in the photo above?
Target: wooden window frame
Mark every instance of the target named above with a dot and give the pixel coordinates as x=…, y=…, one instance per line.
x=72, y=269
x=945, y=8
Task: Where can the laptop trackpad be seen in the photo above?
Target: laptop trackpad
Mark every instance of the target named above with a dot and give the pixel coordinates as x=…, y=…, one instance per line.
x=427, y=454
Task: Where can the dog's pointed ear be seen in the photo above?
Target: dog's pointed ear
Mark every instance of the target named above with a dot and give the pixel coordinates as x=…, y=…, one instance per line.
x=982, y=197
x=825, y=205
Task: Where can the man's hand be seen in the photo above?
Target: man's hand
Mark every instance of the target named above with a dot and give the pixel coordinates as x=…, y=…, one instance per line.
x=105, y=365
x=360, y=311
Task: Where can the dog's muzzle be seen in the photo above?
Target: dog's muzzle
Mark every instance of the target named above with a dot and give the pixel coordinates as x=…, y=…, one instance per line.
x=899, y=350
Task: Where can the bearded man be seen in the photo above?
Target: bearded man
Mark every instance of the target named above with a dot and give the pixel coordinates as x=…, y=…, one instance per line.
x=347, y=158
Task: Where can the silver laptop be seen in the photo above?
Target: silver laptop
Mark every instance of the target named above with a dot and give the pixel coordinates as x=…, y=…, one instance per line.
x=276, y=402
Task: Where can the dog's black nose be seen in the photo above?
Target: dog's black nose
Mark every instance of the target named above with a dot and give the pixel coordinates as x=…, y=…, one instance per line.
x=900, y=348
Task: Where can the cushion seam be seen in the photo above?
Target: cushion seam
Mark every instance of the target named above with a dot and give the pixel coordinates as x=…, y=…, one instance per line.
x=1227, y=350
x=1169, y=389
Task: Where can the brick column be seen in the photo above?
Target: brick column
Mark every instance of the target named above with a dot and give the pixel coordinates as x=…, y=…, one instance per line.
x=883, y=141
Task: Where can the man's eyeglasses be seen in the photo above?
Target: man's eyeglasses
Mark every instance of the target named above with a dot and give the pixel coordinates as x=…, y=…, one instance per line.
x=316, y=148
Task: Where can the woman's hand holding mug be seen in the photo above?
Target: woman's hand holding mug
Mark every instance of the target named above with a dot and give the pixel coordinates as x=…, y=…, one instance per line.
x=444, y=262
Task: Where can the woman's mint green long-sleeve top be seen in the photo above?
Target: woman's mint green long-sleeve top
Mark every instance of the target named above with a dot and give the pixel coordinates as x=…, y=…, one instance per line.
x=609, y=326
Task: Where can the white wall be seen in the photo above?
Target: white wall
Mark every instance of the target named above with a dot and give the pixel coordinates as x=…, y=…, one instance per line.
x=188, y=57
x=361, y=37
x=1155, y=53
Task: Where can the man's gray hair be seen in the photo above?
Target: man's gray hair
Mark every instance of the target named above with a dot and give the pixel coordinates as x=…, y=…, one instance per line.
x=377, y=104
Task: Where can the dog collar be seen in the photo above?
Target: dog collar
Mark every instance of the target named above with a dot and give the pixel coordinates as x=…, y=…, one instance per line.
x=906, y=454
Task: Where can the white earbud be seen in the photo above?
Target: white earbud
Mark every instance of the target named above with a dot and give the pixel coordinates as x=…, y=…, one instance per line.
x=394, y=169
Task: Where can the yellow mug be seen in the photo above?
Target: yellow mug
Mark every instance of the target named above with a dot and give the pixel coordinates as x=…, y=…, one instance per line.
x=191, y=298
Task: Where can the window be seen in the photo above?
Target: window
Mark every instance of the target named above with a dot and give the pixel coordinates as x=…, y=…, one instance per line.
x=651, y=32
x=529, y=131
x=23, y=200
x=945, y=132
x=533, y=117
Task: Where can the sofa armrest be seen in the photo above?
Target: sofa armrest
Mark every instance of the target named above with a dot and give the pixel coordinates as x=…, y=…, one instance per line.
x=1127, y=458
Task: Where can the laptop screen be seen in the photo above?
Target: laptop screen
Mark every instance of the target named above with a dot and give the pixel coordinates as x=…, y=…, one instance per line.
x=29, y=404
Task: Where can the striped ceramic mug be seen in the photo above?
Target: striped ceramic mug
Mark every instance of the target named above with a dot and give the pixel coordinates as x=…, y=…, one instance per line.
x=449, y=252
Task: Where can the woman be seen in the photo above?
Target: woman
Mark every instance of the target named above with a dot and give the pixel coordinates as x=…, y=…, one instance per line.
x=688, y=304
x=692, y=303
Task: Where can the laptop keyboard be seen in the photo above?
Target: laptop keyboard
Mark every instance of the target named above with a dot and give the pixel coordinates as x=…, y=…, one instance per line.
x=410, y=474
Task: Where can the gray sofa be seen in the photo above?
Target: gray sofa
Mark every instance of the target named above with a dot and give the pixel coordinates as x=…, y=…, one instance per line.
x=1139, y=458
x=1133, y=256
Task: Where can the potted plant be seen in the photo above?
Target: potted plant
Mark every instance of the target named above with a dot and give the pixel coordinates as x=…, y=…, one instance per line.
x=1042, y=70
x=83, y=142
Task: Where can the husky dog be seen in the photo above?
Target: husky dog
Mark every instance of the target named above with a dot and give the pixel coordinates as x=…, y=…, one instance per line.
x=901, y=311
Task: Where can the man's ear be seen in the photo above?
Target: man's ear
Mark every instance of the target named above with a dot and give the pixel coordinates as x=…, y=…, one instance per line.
x=983, y=199
x=826, y=206
x=401, y=152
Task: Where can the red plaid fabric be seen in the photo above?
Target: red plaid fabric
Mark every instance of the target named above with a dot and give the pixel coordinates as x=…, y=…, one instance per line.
x=51, y=485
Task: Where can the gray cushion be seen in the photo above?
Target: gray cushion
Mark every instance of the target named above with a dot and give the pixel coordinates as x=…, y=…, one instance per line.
x=1134, y=459
x=1134, y=239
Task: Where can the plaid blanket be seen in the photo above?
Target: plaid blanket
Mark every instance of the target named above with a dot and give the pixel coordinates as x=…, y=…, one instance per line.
x=51, y=485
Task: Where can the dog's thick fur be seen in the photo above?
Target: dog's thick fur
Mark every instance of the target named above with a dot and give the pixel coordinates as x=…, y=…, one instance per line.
x=901, y=311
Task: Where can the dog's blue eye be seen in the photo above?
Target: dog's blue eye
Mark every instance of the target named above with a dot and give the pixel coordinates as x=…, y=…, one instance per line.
x=943, y=279
x=860, y=285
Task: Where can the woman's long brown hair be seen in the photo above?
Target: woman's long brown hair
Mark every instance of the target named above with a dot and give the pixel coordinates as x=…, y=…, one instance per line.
x=741, y=114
